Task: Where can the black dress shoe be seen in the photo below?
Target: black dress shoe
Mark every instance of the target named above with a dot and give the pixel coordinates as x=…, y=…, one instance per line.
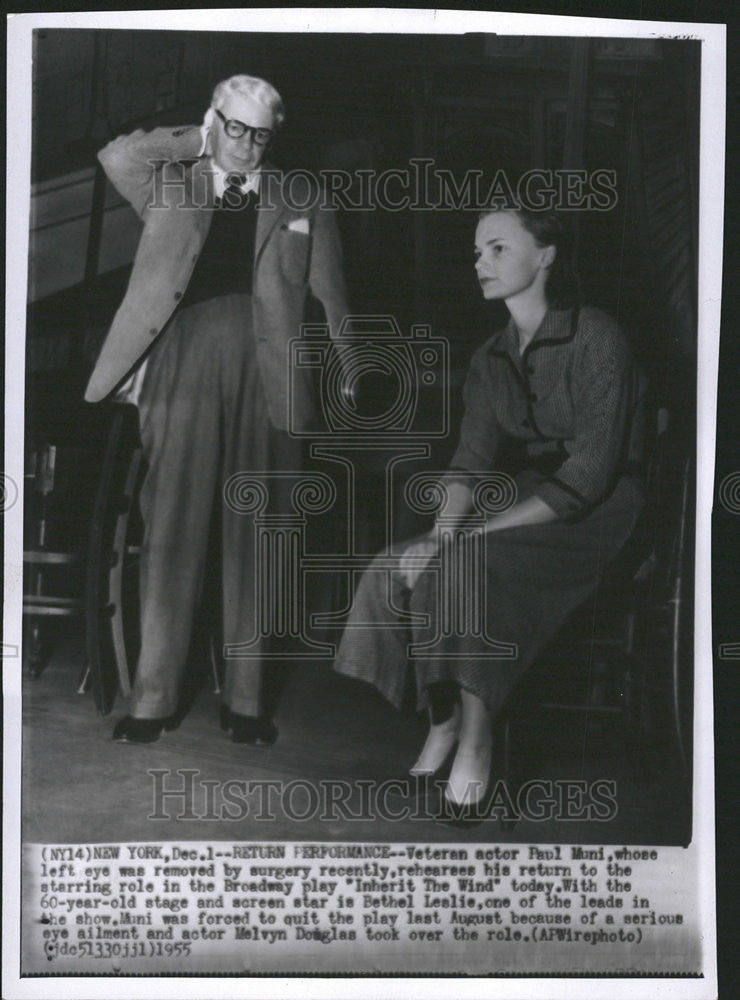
x=248, y=729
x=131, y=730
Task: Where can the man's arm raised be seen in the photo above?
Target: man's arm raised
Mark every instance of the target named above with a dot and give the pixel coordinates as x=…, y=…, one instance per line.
x=131, y=160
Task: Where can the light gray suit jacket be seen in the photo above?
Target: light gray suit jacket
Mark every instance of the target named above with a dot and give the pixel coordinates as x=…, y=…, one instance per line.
x=296, y=249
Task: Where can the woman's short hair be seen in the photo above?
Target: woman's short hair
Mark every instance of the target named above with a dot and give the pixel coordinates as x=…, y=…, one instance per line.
x=255, y=88
x=552, y=229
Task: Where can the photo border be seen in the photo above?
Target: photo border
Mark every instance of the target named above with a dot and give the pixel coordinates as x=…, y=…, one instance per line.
x=712, y=36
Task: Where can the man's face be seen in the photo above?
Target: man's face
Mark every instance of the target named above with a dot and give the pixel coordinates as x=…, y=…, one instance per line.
x=239, y=155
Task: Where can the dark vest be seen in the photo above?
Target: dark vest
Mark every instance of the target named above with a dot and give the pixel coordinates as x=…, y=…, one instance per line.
x=226, y=260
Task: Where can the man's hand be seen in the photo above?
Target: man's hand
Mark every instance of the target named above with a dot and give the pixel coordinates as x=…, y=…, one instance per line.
x=415, y=559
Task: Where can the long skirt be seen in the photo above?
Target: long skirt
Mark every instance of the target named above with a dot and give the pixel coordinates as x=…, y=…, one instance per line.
x=481, y=618
x=203, y=417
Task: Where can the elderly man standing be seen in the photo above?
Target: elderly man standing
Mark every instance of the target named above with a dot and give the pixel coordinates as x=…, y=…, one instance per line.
x=200, y=344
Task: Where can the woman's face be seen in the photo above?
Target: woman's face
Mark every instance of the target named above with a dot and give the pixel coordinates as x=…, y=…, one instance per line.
x=508, y=259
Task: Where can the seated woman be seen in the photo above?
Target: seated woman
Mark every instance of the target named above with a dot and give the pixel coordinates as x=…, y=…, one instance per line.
x=560, y=383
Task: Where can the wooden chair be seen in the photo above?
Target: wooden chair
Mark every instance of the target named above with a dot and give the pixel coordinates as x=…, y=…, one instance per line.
x=48, y=564
x=625, y=656
x=112, y=572
x=111, y=586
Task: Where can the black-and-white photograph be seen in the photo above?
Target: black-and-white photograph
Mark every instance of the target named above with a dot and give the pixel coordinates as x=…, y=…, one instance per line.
x=361, y=458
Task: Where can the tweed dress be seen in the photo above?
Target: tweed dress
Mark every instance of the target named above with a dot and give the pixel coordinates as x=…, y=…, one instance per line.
x=568, y=416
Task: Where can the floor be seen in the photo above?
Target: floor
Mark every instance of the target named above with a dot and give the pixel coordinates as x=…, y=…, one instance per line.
x=335, y=734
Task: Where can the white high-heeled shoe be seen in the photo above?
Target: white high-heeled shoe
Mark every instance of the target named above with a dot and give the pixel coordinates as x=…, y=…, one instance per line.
x=470, y=777
x=441, y=740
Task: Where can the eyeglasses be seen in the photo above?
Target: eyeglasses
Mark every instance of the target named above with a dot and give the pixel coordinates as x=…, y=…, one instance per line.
x=236, y=129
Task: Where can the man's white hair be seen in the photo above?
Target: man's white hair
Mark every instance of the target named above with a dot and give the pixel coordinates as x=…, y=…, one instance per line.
x=254, y=87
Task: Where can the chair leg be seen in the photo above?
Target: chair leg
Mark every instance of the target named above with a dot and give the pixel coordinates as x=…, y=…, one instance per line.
x=83, y=684
x=678, y=694
x=638, y=726
x=119, y=568
x=214, y=665
x=506, y=748
x=507, y=825
x=34, y=650
x=112, y=564
x=104, y=679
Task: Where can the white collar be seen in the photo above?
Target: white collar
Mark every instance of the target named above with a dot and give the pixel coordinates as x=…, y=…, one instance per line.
x=221, y=177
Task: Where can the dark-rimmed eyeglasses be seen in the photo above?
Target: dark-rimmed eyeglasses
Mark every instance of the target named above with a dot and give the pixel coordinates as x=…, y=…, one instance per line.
x=236, y=129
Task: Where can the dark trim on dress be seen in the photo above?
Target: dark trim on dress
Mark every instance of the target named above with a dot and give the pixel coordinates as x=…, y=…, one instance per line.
x=566, y=488
x=521, y=376
x=554, y=341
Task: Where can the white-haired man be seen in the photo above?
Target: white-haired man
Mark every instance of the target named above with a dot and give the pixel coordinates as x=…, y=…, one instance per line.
x=200, y=344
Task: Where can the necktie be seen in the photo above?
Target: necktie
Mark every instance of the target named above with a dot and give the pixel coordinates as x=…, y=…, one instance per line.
x=234, y=197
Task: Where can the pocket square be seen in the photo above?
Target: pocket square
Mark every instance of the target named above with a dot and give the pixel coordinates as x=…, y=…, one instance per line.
x=299, y=226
